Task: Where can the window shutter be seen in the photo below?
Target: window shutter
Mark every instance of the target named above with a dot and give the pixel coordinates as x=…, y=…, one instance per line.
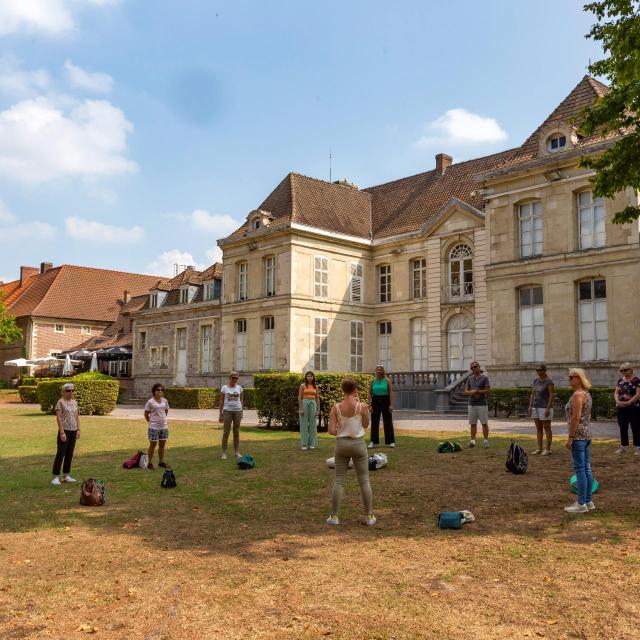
x=355, y=289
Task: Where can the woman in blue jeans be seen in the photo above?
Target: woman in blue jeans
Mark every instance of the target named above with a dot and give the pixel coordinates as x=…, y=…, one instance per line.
x=578, y=411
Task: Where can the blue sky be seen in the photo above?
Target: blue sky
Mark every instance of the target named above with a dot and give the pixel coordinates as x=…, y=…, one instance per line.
x=133, y=133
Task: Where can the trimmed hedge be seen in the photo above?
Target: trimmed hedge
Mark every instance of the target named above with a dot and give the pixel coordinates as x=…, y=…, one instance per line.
x=249, y=397
x=276, y=396
x=515, y=401
x=94, y=396
x=28, y=393
x=191, y=397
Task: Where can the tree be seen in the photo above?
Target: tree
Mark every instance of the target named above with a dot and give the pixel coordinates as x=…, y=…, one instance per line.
x=618, y=168
x=9, y=330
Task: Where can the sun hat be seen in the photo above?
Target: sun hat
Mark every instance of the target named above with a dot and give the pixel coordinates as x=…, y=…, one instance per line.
x=68, y=387
x=625, y=365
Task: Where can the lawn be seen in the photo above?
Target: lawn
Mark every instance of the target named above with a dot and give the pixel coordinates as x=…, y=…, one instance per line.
x=246, y=554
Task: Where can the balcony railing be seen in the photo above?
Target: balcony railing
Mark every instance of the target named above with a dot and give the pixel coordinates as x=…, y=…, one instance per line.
x=425, y=379
x=462, y=292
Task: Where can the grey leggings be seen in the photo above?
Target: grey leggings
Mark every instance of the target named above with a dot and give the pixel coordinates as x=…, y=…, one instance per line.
x=228, y=418
x=347, y=448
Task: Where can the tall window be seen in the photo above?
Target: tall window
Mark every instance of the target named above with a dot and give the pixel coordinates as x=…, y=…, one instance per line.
x=243, y=271
x=153, y=357
x=143, y=340
x=164, y=356
x=206, y=348
x=320, y=344
x=419, y=272
x=530, y=219
x=356, y=347
x=270, y=276
x=384, y=345
x=209, y=291
x=531, y=325
x=241, y=345
x=153, y=300
x=320, y=277
x=591, y=220
x=419, y=344
x=269, y=343
x=460, y=273
x=184, y=295
x=384, y=282
x=594, y=327
x=355, y=282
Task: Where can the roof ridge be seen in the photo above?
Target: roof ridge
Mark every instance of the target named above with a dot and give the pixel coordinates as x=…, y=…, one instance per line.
x=128, y=273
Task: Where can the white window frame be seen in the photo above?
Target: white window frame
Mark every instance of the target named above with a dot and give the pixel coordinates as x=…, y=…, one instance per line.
x=356, y=273
x=593, y=324
x=384, y=283
x=206, y=348
x=243, y=281
x=320, y=277
x=384, y=344
x=419, y=278
x=241, y=344
x=356, y=345
x=184, y=295
x=463, y=288
x=268, y=343
x=209, y=291
x=419, y=340
x=530, y=229
x=56, y=328
x=270, y=276
x=591, y=221
x=86, y=330
x=531, y=318
x=321, y=344
x=153, y=300
x=560, y=137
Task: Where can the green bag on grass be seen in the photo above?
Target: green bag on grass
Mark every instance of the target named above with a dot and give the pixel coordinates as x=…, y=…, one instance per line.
x=246, y=462
x=449, y=446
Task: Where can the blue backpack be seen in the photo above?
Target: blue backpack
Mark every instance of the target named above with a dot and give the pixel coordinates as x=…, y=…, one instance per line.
x=246, y=462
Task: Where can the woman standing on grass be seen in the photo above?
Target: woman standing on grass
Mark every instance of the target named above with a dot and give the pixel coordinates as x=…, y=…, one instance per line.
x=68, y=432
x=627, y=397
x=348, y=421
x=578, y=411
x=155, y=413
x=541, y=408
x=231, y=399
x=381, y=403
x=309, y=407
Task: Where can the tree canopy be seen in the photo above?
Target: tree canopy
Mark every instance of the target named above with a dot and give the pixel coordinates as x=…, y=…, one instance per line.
x=9, y=330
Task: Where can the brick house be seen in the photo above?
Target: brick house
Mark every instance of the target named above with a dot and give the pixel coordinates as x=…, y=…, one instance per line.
x=59, y=308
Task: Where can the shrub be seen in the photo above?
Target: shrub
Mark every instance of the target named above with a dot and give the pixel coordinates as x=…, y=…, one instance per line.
x=249, y=397
x=26, y=381
x=191, y=397
x=92, y=375
x=276, y=396
x=94, y=396
x=28, y=394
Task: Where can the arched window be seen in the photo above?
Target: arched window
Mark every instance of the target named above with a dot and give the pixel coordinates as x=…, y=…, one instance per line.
x=460, y=342
x=460, y=273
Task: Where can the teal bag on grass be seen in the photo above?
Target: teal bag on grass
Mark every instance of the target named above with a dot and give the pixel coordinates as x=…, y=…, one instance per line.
x=246, y=462
x=450, y=520
x=573, y=483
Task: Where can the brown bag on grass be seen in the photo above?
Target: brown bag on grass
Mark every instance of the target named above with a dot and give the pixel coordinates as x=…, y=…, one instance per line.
x=91, y=494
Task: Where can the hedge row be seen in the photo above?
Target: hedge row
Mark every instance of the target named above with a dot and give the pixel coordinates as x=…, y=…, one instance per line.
x=95, y=396
x=202, y=397
x=28, y=394
x=515, y=401
x=276, y=396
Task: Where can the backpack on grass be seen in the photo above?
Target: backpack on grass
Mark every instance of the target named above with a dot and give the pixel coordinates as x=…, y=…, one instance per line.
x=168, y=479
x=246, y=462
x=449, y=446
x=517, y=461
x=377, y=461
x=92, y=493
x=133, y=461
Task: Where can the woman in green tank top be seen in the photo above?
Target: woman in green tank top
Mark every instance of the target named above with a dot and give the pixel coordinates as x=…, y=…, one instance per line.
x=380, y=401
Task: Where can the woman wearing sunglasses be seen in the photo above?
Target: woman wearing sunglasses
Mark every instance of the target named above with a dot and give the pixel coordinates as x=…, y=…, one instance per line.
x=155, y=413
x=541, y=408
x=627, y=397
x=231, y=399
x=68, y=432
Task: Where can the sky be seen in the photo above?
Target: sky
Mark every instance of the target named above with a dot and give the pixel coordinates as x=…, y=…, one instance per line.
x=135, y=133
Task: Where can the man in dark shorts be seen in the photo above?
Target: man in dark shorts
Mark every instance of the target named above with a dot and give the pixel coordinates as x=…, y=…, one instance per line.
x=477, y=389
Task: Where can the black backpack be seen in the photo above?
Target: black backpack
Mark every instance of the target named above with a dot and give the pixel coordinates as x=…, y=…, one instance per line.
x=517, y=461
x=168, y=479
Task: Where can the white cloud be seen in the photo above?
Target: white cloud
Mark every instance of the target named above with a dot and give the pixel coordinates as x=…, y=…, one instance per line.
x=218, y=224
x=52, y=17
x=40, y=142
x=164, y=264
x=27, y=231
x=91, y=80
x=17, y=83
x=461, y=127
x=214, y=254
x=83, y=229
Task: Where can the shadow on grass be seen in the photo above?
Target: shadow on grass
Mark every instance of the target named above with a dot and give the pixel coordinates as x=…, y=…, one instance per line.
x=218, y=508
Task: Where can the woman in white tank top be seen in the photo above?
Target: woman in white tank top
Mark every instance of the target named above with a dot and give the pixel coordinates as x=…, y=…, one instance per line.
x=348, y=421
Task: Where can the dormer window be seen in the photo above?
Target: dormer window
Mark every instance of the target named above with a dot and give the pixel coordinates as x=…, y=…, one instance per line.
x=556, y=143
x=184, y=295
x=256, y=223
x=153, y=300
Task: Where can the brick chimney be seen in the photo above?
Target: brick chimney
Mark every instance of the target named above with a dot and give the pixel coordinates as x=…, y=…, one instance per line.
x=126, y=297
x=45, y=266
x=26, y=273
x=443, y=162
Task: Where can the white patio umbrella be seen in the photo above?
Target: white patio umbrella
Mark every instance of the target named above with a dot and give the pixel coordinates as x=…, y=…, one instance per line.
x=67, y=369
x=18, y=362
x=94, y=362
x=38, y=362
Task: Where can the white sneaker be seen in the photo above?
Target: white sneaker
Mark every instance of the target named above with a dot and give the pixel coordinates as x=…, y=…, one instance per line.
x=620, y=450
x=68, y=478
x=372, y=445
x=56, y=481
x=546, y=452
x=591, y=506
x=238, y=456
x=223, y=456
x=485, y=444
x=392, y=445
x=577, y=508
x=333, y=520
x=471, y=444
x=311, y=447
x=535, y=452
x=303, y=448
x=370, y=520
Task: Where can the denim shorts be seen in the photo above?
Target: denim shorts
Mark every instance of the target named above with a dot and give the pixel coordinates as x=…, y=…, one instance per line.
x=537, y=413
x=158, y=434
